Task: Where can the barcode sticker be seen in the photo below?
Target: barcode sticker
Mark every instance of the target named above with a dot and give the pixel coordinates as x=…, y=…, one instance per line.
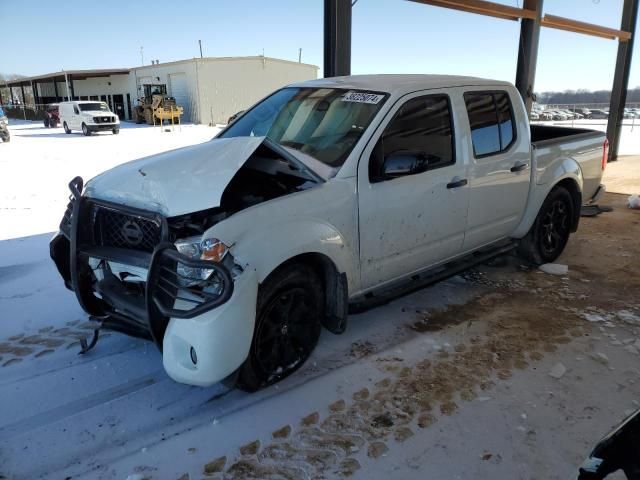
x=362, y=97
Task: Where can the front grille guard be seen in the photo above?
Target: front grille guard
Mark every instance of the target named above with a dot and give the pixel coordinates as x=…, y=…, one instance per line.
x=163, y=295
x=173, y=299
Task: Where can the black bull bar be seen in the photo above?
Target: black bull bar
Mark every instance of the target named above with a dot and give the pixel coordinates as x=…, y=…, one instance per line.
x=168, y=291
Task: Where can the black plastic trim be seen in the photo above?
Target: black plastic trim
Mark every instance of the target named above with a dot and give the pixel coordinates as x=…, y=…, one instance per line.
x=164, y=262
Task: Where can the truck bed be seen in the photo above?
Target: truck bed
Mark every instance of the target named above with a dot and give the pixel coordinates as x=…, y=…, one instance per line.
x=551, y=143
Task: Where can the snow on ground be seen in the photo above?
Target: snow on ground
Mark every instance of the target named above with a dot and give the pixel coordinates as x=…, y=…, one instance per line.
x=39, y=162
x=449, y=382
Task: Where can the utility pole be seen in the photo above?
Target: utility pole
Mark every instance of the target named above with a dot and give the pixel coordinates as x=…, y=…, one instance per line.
x=142, y=56
x=200, y=43
x=299, y=55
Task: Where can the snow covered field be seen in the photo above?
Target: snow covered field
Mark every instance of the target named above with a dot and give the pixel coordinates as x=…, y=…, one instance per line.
x=449, y=382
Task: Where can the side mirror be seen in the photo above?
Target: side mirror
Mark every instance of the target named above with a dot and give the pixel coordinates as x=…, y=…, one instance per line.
x=401, y=164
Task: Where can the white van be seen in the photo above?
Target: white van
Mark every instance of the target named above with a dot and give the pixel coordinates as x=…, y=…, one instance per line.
x=88, y=116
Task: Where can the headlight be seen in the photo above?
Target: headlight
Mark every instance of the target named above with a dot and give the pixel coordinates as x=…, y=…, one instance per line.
x=193, y=247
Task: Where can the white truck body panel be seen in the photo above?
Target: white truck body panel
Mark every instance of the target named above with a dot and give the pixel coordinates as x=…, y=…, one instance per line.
x=373, y=232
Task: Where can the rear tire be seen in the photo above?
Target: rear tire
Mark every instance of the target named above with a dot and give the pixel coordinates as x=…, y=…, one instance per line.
x=550, y=232
x=85, y=130
x=67, y=130
x=288, y=323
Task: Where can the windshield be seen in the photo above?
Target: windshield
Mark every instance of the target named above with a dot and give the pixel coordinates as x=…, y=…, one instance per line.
x=86, y=107
x=324, y=123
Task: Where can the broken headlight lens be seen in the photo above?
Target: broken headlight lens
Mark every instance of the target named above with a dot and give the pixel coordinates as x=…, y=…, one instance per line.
x=193, y=247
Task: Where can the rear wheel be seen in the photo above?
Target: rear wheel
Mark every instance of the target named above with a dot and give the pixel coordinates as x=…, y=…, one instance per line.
x=67, y=130
x=289, y=311
x=85, y=130
x=550, y=232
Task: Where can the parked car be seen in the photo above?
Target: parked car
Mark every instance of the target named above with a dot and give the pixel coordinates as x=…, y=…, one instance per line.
x=571, y=114
x=619, y=450
x=599, y=114
x=89, y=117
x=557, y=115
x=5, y=136
x=585, y=112
x=232, y=254
x=51, y=115
x=233, y=117
x=534, y=116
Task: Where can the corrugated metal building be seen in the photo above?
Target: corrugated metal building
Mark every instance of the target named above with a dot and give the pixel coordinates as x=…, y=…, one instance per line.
x=210, y=89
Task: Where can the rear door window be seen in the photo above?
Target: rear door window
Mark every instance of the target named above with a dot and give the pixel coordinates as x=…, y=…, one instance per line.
x=491, y=121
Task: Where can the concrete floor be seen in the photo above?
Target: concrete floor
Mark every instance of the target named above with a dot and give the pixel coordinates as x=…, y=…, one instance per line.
x=623, y=176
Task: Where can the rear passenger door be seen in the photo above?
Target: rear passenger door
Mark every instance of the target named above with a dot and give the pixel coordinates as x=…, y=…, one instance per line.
x=500, y=167
x=409, y=221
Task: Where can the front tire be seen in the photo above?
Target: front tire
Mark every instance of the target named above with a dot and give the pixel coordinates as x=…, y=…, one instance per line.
x=116, y=131
x=67, y=130
x=550, y=232
x=288, y=323
x=85, y=130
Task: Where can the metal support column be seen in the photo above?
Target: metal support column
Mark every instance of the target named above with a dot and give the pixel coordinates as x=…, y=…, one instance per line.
x=621, y=77
x=528, y=52
x=337, y=37
x=55, y=89
x=24, y=98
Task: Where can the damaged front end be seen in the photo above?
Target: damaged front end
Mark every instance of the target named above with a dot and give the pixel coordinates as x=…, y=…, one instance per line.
x=127, y=272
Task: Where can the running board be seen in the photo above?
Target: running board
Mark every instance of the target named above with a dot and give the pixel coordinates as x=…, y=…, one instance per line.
x=419, y=281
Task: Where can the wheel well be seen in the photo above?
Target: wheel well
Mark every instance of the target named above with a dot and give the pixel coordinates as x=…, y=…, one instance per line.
x=572, y=187
x=335, y=288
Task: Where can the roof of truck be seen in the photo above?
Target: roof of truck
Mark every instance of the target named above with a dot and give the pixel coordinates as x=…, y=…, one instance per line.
x=394, y=83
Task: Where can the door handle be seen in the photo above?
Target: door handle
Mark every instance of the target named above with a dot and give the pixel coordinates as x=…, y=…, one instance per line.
x=457, y=183
x=518, y=167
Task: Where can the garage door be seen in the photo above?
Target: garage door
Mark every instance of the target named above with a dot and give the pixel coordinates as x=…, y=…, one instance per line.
x=179, y=89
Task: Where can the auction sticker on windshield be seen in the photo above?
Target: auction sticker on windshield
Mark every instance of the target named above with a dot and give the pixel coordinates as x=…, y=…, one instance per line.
x=362, y=97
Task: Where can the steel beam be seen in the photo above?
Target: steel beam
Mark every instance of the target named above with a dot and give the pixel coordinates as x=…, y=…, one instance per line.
x=621, y=77
x=528, y=52
x=337, y=38
x=483, y=7
x=55, y=89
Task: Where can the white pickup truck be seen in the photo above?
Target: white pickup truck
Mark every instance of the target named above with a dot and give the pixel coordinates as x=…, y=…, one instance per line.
x=326, y=195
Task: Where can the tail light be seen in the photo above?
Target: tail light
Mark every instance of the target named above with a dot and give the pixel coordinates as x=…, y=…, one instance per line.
x=605, y=153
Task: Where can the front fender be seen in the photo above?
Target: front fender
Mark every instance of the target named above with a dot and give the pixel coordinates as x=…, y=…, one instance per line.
x=266, y=248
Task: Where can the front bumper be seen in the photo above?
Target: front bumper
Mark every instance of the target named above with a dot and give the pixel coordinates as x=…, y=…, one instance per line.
x=102, y=127
x=145, y=309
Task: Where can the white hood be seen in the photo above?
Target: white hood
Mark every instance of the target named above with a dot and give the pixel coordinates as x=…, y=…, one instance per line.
x=180, y=181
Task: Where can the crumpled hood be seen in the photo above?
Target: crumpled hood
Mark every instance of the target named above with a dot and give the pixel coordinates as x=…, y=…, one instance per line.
x=180, y=181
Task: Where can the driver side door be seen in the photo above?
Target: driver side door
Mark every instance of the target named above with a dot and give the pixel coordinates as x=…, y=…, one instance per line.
x=412, y=190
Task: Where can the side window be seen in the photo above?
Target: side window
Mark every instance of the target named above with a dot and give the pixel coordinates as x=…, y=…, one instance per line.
x=75, y=110
x=491, y=121
x=419, y=137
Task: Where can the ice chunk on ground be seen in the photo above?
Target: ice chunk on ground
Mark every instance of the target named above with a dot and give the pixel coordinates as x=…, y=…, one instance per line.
x=554, y=268
x=558, y=370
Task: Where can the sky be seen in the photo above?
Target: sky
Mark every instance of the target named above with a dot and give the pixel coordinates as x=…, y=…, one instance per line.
x=389, y=36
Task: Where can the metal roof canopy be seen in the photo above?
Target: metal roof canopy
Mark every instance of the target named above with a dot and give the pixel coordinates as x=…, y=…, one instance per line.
x=75, y=74
x=337, y=45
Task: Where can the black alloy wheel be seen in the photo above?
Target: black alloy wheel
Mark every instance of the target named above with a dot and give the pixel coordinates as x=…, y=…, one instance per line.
x=288, y=324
